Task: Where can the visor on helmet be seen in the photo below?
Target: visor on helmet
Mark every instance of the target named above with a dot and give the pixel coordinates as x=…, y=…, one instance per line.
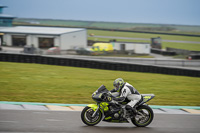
x=118, y=83
x=117, y=87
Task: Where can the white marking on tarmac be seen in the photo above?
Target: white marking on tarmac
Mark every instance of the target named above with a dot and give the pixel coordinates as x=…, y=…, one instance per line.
x=9, y=122
x=53, y=120
x=41, y=112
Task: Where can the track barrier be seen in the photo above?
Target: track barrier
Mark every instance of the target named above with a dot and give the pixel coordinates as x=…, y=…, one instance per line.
x=97, y=64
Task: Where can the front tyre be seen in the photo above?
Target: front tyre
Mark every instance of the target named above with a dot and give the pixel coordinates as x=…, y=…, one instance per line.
x=144, y=117
x=86, y=116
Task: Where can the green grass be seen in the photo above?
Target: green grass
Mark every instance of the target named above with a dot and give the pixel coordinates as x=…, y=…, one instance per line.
x=142, y=35
x=186, y=46
x=60, y=84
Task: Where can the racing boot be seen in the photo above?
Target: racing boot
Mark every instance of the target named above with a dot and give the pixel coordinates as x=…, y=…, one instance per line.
x=134, y=110
x=131, y=110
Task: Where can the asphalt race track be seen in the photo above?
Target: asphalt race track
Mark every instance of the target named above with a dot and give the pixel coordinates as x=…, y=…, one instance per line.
x=16, y=121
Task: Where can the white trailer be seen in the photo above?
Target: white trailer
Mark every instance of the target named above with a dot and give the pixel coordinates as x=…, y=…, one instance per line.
x=137, y=48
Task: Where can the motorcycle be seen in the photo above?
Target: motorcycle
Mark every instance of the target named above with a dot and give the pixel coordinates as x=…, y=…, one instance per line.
x=112, y=111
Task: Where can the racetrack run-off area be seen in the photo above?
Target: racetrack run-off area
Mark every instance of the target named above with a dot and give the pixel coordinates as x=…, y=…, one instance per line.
x=79, y=107
x=70, y=122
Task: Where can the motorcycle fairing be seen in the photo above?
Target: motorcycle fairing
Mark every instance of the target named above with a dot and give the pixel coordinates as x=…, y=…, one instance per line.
x=93, y=106
x=147, y=97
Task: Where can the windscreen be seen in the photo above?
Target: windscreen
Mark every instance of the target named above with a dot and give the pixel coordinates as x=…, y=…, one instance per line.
x=102, y=88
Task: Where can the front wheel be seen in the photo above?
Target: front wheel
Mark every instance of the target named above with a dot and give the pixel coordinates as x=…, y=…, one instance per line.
x=86, y=116
x=144, y=116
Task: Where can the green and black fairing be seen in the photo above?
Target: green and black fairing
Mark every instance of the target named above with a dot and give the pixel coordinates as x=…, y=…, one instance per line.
x=113, y=115
x=98, y=95
x=145, y=98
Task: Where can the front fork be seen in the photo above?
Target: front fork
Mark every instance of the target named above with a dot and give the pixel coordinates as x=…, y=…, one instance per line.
x=96, y=111
x=96, y=108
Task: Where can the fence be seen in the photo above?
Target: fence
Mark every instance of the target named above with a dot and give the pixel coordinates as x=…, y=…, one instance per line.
x=159, y=51
x=98, y=64
x=148, y=61
x=182, y=51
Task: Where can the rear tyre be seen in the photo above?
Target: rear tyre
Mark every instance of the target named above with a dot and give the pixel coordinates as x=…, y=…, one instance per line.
x=144, y=116
x=86, y=116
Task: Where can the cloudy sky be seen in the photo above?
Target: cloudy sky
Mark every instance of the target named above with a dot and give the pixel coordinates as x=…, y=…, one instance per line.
x=185, y=12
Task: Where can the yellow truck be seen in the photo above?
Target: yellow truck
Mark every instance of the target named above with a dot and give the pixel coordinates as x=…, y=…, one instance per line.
x=97, y=49
x=102, y=47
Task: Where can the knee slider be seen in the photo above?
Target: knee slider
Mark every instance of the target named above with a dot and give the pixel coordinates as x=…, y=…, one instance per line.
x=128, y=107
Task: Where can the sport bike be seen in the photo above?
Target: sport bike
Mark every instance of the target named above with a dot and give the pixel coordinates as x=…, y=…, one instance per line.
x=108, y=110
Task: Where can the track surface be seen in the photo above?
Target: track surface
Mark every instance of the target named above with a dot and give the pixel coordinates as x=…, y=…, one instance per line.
x=70, y=122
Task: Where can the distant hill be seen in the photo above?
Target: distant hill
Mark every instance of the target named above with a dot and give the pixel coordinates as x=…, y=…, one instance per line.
x=167, y=28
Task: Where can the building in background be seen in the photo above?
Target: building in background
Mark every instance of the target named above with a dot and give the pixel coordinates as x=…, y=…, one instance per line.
x=5, y=20
x=45, y=37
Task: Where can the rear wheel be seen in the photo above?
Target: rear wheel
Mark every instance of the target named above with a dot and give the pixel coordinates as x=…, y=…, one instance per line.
x=144, y=117
x=86, y=116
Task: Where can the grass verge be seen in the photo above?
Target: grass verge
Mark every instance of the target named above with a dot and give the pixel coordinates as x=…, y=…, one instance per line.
x=22, y=82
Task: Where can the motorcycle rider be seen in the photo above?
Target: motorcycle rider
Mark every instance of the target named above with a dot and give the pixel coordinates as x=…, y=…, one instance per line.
x=126, y=92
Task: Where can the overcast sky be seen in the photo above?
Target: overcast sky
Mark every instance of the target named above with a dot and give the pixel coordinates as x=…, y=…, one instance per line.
x=185, y=12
